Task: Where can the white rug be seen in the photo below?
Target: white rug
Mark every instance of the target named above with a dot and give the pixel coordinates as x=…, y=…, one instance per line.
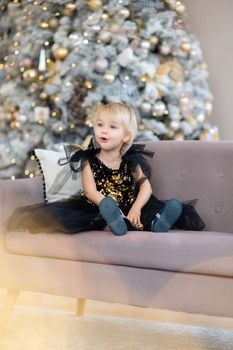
x=44, y=329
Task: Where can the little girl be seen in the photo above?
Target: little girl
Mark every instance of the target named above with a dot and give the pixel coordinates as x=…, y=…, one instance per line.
x=116, y=194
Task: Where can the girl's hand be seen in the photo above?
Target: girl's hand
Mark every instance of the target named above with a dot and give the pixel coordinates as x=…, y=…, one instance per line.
x=134, y=216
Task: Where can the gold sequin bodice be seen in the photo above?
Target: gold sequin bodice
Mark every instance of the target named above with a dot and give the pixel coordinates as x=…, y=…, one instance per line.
x=118, y=184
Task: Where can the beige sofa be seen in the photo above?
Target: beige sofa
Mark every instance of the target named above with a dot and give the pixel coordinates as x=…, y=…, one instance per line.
x=180, y=270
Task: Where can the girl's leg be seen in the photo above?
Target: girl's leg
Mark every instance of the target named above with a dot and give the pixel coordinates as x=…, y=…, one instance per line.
x=159, y=216
x=149, y=211
x=113, y=216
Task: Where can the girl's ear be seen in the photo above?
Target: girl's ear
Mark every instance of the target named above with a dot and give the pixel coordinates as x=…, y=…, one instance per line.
x=127, y=136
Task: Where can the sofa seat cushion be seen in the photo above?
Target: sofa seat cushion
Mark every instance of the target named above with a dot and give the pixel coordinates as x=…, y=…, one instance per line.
x=182, y=251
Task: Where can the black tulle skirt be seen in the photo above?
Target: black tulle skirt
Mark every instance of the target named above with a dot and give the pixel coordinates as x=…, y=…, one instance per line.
x=75, y=215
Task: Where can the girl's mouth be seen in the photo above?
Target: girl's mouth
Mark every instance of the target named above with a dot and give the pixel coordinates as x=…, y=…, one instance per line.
x=103, y=139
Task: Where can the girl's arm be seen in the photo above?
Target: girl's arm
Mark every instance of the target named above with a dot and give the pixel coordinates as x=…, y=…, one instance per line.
x=89, y=185
x=143, y=196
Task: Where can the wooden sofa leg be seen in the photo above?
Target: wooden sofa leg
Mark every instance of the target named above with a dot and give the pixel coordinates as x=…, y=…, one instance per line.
x=8, y=305
x=80, y=306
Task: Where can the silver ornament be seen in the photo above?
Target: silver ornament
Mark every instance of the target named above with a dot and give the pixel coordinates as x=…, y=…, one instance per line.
x=175, y=125
x=146, y=107
x=165, y=49
x=101, y=64
x=158, y=109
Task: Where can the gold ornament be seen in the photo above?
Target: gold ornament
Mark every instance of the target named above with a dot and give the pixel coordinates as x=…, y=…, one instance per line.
x=44, y=25
x=15, y=124
x=175, y=125
x=53, y=23
x=153, y=40
x=69, y=9
x=105, y=15
x=51, y=67
x=88, y=84
x=185, y=45
x=124, y=12
x=173, y=69
x=171, y=4
x=94, y=5
x=145, y=78
x=105, y=36
x=203, y=65
x=60, y=53
x=43, y=96
x=179, y=136
x=180, y=8
x=30, y=75
x=114, y=27
x=204, y=136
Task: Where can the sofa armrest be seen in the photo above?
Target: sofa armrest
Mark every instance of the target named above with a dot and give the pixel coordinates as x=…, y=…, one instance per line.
x=14, y=194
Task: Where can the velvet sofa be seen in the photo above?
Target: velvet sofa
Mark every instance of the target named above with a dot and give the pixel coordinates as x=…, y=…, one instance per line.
x=180, y=270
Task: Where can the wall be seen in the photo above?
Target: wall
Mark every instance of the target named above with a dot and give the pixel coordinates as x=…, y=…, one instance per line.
x=212, y=23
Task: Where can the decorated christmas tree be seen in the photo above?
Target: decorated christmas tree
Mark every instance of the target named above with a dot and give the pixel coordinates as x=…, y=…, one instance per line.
x=60, y=60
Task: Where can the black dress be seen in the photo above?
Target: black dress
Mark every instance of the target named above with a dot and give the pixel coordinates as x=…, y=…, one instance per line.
x=77, y=213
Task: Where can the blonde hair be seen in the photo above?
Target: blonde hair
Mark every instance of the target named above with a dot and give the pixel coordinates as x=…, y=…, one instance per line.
x=126, y=115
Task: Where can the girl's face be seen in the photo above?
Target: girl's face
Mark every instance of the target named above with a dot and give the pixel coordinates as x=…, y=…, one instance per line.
x=110, y=132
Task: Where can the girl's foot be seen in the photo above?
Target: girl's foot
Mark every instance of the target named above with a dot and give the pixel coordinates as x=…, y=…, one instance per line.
x=111, y=213
x=169, y=215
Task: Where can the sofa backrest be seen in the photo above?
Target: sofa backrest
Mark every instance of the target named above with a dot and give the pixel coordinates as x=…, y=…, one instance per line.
x=20, y=192
x=184, y=170
x=196, y=169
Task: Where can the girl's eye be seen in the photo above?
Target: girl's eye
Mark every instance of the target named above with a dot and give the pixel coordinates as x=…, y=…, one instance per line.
x=113, y=127
x=99, y=124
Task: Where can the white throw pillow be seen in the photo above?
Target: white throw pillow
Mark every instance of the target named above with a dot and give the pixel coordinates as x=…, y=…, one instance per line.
x=70, y=182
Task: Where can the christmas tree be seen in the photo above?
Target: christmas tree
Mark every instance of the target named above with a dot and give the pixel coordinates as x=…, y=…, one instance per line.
x=60, y=60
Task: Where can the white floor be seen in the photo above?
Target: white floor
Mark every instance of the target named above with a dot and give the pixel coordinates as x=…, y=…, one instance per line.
x=41, y=321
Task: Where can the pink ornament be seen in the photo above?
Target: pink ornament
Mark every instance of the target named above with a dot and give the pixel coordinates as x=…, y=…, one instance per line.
x=26, y=62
